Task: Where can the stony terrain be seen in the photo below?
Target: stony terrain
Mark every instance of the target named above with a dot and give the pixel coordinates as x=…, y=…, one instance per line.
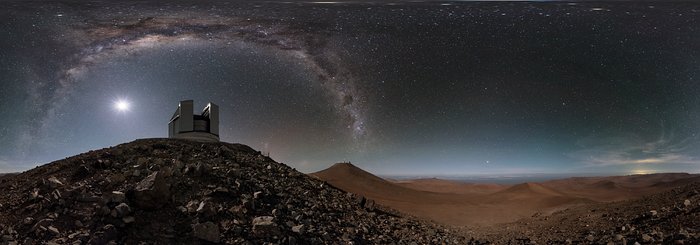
x=172, y=192
x=671, y=217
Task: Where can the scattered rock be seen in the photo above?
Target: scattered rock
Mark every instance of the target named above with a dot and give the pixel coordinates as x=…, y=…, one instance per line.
x=264, y=225
x=114, y=197
x=207, y=231
x=192, y=206
x=298, y=229
x=116, y=178
x=41, y=223
x=54, y=230
x=590, y=238
x=81, y=172
x=369, y=204
x=277, y=213
x=110, y=232
x=122, y=210
x=206, y=209
x=152, y=192
x=219, y=192
x=28, y=221
x=131, y=197
x=54, y=182
x=128, y=219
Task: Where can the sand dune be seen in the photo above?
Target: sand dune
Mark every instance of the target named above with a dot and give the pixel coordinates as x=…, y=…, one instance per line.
x=468, y=204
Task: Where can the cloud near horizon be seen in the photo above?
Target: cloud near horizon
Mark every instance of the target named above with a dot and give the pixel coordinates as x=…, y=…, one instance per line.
x=633, y=150
x=7, y=166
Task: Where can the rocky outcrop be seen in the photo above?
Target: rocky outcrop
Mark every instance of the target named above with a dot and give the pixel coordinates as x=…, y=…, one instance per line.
x=182, y=192
x=152, y=192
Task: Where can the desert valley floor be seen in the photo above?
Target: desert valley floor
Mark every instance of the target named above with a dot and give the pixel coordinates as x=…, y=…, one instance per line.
x=465, y=204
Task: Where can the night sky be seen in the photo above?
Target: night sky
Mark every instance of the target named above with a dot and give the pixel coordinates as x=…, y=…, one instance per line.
x=457, y=88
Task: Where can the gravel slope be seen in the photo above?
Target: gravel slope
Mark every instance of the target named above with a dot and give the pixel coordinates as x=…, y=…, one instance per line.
x=167, y=191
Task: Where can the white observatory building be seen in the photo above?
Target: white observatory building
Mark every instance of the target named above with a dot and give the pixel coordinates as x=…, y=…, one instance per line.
x=186, y=125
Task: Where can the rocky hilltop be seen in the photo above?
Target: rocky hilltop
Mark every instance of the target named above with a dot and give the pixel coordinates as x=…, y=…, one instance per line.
x=166, y=191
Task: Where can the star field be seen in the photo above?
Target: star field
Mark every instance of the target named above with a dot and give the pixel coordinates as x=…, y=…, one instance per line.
x=397, y=88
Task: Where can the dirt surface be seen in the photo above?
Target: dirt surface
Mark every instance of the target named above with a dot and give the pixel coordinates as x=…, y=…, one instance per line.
x=163, y=191
x=618, y=188
x=671, y=217
x=180, y=192
x=535, y=211
x=448, y=186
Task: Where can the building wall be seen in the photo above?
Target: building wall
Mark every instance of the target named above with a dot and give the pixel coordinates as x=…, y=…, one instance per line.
x=186, y=120
x=184, y=125
x=214, y=118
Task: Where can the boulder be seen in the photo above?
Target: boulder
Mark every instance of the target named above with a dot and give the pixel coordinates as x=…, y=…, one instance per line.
x=128, y=219
x=81, y=172
x=54, y=182
x=114, y=197
x=122, y=210
x=207, y=231
x=265, y=226
x=54, y=231
x=298, y=229
x=152, y=192
x=206, y=209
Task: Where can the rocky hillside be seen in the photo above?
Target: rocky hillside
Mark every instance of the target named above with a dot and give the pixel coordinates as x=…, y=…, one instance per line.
x=671, y=217
x=174, y=191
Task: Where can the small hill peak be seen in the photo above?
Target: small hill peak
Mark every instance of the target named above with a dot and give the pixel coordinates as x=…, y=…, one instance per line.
x=531, y=188
x=343, y=165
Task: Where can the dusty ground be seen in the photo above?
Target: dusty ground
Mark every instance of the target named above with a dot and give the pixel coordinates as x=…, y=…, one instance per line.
x=671, y=217
x=447, y=186
x=552, y=211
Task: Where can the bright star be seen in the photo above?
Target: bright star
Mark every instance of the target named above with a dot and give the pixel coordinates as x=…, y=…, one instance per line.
x=122, y=105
